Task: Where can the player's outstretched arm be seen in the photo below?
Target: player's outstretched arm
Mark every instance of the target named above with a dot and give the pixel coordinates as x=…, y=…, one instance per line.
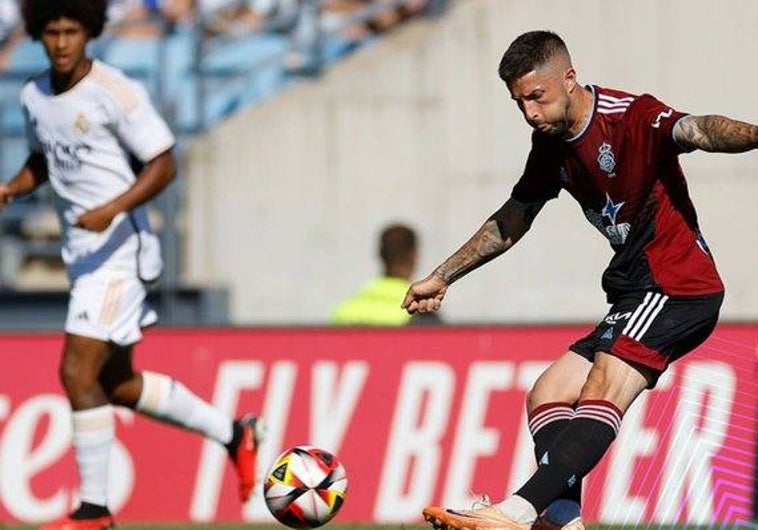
x=31, y=175
x=716, y=134
x=499, y=233
x=154, y=177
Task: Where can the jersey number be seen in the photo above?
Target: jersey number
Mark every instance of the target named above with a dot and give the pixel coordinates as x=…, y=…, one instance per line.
x=661, y=115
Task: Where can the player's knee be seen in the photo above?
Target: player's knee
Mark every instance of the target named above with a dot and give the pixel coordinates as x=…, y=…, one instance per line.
x=530, y=400
x=76, y=376
x=537, y=396
x=545, y=391
x=597, y=386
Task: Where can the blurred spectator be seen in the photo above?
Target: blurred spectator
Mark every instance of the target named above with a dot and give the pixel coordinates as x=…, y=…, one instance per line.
x=140, y=18
x=336, y=16
x=10, y=30
x=388, y=14
x=229, y=17
x=385, y=19
x=177, y=11
x=10, y=19
x=278, y=11
x=378, y=301
x=7, y=48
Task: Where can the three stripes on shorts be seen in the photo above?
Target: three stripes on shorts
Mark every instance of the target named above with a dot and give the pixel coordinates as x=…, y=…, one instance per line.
x=644, y=315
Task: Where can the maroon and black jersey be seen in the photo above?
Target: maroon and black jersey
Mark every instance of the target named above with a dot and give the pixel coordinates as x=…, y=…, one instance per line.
x=624, y=171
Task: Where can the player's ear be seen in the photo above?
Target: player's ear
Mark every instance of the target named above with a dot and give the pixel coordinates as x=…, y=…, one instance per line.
x=569, y=79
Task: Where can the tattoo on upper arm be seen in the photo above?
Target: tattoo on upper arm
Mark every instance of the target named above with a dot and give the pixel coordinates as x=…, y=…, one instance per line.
x=716, y=134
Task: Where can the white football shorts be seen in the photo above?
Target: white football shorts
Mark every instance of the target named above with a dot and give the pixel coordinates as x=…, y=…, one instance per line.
x=110, y=308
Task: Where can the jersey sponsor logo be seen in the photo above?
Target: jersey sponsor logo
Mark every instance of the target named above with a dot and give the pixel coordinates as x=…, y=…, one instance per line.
x=606, y=159
x=605, y=221
x=661, y=115
x=66, y=157
x=611, y=209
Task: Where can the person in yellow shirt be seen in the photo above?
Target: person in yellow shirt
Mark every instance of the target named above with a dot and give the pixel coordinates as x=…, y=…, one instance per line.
x=378, y=301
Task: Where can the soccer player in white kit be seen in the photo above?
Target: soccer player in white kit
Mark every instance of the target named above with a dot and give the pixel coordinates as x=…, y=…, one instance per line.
x=84, y=120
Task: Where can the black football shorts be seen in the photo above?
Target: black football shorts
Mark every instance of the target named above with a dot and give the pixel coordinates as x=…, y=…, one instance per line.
x=652, y=329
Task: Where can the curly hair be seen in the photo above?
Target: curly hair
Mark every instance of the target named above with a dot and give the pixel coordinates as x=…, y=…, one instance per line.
x=89, y=13
x=528, y=52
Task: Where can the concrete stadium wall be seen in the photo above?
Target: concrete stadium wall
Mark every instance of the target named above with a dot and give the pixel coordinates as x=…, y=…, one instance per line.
x=285, y=200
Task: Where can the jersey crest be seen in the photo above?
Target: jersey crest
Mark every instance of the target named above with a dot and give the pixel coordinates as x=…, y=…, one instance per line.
x=81, y=125
x=606, y=159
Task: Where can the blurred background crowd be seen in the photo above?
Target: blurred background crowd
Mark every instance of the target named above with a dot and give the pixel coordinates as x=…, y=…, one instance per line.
x=202, y=61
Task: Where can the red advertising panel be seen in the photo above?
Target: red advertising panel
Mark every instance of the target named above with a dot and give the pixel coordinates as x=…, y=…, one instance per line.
x=417, y=416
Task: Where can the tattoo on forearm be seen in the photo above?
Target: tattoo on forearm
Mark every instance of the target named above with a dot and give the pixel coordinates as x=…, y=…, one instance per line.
x=717, y=134
x=483, y=246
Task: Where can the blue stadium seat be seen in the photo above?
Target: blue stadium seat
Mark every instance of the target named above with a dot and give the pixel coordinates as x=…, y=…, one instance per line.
x=27, y=59
x=234, y=73
x=28, y=56
x=335, y=47
x=13, y=153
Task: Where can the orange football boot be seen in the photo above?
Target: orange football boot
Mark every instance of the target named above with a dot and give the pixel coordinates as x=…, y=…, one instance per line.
x=480, y=518
x=105, y=522
x=244, y=455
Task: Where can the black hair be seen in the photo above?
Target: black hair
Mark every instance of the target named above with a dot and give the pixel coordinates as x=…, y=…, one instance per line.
x=39, y=13
x=397, y=244
x=528, y=52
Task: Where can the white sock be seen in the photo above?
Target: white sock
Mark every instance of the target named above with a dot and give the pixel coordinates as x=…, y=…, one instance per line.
x=169, y=401
x=94, y=432
x=518, y=509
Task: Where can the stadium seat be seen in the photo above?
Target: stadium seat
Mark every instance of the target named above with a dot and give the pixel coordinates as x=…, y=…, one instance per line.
x=232, y=73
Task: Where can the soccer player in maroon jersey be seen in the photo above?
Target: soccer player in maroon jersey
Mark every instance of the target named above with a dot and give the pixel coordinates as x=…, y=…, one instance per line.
x=617, y=154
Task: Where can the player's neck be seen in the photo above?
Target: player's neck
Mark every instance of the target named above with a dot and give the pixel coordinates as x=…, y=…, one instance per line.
x=63, y=82
x=581, y=111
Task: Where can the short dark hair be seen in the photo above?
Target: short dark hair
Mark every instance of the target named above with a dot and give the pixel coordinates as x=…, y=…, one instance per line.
x=528, y=52
x=397, y=244
x=39, y=13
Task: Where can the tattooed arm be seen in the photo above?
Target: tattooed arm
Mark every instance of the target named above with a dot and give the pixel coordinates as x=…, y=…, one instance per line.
x=716, y=134
x=499, y=233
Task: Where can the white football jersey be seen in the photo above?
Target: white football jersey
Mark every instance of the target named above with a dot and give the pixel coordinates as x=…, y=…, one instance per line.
x=86, y=135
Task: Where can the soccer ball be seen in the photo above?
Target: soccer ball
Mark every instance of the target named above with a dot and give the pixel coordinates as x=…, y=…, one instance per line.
x=305, y=487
